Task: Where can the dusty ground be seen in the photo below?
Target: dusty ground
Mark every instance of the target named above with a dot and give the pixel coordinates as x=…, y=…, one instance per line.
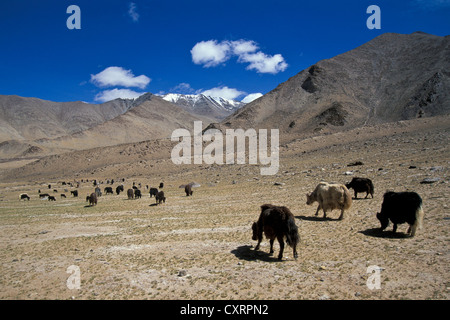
x=200, y=247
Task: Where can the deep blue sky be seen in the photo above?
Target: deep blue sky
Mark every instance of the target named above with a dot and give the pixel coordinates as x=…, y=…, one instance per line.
x=40, y=57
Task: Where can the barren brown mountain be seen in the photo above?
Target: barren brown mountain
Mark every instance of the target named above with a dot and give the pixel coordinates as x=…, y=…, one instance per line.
x=392, y=77
x=148, y=117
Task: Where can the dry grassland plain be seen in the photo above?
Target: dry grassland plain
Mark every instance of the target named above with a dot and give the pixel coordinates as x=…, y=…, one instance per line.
x=200, y=247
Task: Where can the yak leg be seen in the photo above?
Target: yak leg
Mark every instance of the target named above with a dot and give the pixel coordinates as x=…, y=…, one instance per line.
x=259, y=242
x=318, y=208
x=281, y=241
x=342, y=214
x=271, y=245
x=395, y=228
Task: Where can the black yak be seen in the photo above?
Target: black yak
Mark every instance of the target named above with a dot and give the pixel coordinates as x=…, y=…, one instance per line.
x=160, y=197
x=188, y=190
x=130, y=193
x=361, y=185
x=153, y=192
x=401, y=207
x=92, y=198
x=137, y=193
x=276, y=222
x=24, y=196
x=108, y=190
x=119, y=189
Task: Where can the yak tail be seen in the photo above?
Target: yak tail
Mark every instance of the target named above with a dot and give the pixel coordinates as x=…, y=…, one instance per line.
x=419, y=220
x=347, y=198
x=292, y=236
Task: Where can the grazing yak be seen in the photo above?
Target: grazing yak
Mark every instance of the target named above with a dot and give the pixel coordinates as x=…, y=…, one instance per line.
x=119, y=189
x=401, y=207
x=51, y=198
x=276, y=222
x=137, y=193
x=98, y=192
x=330, y=197
x=361, y=185
x=188, y=190
x=74, y=193
x=108, y=190
x=153, y=192
x=160, y=197
x=130, y=193
x=63, y=195
x=24, y=196
x=92, y=199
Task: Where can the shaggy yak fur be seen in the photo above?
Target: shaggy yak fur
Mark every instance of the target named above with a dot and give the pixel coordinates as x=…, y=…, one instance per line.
x=130, y=193
x=401, y=207
x=361, y=185
x=160, y=197
x=330, y=197
x=92, y=199
x=188, y=190
x=276, y=222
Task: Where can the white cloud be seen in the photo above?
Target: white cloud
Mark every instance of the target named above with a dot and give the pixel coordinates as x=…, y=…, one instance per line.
x=223, y=92
x=117, y=76
x=264, y=63
x=108, y=95
x=132, y=12
x=212, y=53
x=241, y=46
x=252, y=96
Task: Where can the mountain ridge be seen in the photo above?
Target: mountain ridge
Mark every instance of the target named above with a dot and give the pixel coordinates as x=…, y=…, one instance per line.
x=393, y=77
x=216, y=108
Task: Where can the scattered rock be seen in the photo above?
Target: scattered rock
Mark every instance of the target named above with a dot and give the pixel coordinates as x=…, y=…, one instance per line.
x=356, y=163
x=279, y=184
x=182, y=273
x=430, y=180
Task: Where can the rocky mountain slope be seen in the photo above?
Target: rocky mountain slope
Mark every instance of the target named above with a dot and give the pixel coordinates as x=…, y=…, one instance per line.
x=392, y=77
x=31, y=118
x=153, y=119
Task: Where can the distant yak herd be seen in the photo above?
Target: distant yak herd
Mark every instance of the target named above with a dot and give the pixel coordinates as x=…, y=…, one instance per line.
x=278, y=222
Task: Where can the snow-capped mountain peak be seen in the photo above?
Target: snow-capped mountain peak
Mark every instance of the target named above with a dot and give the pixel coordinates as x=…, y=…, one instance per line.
x=200, y=104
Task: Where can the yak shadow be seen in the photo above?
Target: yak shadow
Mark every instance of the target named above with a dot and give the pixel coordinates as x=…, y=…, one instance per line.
x=153, y=205
x=358, y=199
x=248, y=253
x=316, y=218
x=377, y=233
